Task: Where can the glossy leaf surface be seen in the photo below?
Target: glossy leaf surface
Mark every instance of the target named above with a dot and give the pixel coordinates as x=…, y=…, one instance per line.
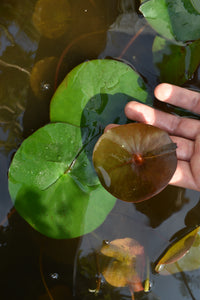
x=127, y=263
x=94, y=95
x=175, y=20
x=183, y=255
x=174, y=63
x=53, y=185
x=97, y=91
x=134, y=161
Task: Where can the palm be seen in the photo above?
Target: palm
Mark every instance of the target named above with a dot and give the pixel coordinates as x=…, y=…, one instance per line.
x=184, y=132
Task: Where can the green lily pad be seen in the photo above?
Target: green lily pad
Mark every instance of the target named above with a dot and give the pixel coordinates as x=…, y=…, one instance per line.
x=175, y=20
x=51, y=180
x=53, y=186
x=196, y=5
x=94, y=95
x=104, y=85
x=174, y=63
x=182, y=255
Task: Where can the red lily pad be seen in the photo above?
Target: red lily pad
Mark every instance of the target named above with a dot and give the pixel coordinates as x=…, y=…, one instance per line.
x=135, y=161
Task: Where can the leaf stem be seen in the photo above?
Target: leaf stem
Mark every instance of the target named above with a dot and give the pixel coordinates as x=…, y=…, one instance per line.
x=66, y=50
x=132, y=294
x=42, y=276
x=98, y=280
x=11, y=212
x=147, y=281
x=131, y=41
x=8, y=65
x=8, y=34
x=185, y=280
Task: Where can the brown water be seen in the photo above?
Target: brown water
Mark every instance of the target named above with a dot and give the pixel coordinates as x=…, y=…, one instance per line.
x=36, y=267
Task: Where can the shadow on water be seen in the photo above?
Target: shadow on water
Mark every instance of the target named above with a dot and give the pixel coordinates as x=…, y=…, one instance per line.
x=160, y=207
x=21, y=113
x=101, y=110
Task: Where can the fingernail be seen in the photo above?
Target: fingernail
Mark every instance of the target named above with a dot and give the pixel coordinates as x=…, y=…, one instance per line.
x=163, y=91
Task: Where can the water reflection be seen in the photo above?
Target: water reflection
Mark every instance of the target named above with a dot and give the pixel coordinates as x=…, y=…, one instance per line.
x=160, y=207
x=192, y=218
x=19, y=40
x=21, y=112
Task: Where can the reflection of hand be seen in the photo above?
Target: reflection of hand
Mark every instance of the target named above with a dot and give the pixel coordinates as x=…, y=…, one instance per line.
x=184, y=132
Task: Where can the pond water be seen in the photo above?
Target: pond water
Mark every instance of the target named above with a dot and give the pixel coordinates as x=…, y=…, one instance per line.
x=32, y=265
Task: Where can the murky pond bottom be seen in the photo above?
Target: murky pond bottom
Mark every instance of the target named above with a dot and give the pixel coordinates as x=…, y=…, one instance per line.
x=34, y=60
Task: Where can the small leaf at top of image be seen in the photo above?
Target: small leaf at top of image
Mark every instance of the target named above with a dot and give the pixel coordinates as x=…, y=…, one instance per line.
x=175, y=20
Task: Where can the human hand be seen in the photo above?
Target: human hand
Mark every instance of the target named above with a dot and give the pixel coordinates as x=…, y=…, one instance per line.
x=185, y=132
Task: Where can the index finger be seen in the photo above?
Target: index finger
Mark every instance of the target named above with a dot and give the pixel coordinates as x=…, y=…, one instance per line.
x=178, y=96
x=175, y=125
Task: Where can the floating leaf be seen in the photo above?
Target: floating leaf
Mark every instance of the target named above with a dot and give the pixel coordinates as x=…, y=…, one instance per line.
x=51, y=17
x=128, y=260
x=196, y=4
x=134, y=161
x=42, y=171
x=94, y=95
x=174, y=63
x=176, y=20
x=103, y=85
x=182, y=255
x=52, y=183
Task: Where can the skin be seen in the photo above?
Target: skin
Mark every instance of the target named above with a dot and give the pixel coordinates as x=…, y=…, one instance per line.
x=183, y=131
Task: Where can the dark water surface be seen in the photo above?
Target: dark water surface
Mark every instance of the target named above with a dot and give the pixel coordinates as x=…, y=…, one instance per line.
x=36, y=267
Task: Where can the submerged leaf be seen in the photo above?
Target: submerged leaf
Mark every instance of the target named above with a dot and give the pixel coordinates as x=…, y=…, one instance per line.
x=53, y=186
x=174, y=63
x=177, y=256
x=122, y=249
x=42, y=76
x=51, y=17
x=126, y=265
x=135, y=161
x=120, y=274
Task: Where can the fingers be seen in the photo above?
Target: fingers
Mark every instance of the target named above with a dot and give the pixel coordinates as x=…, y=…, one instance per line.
x=178, y=96
x=174, y=125
x=185, y=148
x=183, y=176
x=109, y=126
x=187, y=174
x=195, y=161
